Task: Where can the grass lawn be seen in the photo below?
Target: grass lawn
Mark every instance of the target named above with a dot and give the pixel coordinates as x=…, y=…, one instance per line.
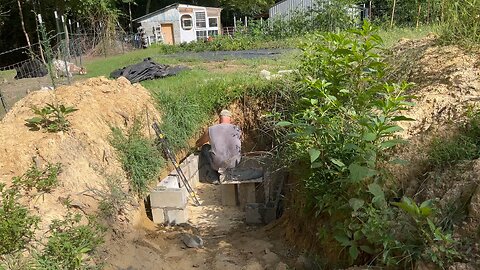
x=189, y=99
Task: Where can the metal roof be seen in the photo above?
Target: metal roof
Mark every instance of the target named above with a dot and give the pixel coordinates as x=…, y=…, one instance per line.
x=175, y=5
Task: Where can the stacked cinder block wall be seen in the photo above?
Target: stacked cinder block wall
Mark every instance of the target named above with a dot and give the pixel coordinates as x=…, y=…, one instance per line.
x=169, y=198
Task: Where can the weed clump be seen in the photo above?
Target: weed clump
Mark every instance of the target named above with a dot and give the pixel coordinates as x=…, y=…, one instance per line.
x=52, y=117
x=139, y=157
x=69, y=242
x=17, y=225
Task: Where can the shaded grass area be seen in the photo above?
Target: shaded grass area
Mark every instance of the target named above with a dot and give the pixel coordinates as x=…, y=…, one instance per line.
x=189, y=100
x=391, y=36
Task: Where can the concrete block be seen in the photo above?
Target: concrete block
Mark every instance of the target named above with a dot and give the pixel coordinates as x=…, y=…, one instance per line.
x=246, y=194
x=229, y=197
x=268, y=212
x=171, y=181
x=252, y=213
x=176, y=216
x=258, y=213
x=158, y=215
x=170, y=197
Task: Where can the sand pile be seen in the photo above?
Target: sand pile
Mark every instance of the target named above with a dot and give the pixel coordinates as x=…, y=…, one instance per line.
x=84, y=151
x=447, y=86
x=447, y=81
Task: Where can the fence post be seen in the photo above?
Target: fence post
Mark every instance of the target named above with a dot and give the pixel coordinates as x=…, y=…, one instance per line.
x=4, y=104
x=79, y=52
x=65, y=50
x=72, y=42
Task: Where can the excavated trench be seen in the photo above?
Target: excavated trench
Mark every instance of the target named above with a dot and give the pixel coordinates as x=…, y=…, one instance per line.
x=233, y=227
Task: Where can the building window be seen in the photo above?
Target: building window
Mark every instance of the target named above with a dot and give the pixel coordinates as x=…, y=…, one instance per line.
x=212, y=22
x=187, y=22
x=202, y=35
x=201, y=21
x=212, y=33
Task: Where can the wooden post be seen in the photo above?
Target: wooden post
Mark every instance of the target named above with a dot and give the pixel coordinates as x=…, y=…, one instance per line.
x=393, y=13
x=418, y=14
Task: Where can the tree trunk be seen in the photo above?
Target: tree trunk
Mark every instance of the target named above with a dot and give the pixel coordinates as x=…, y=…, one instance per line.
x=418, y=14
x=130, y=14
x=147, y=9
x=20, y=12
x=393, y=12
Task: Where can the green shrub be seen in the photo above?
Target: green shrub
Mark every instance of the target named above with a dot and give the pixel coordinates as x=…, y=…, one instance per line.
x=342, y=126
x=42, y=180
x=70, y=243
x=52, y=117
x=461, y=22
x=17, y=226
x=140, y=159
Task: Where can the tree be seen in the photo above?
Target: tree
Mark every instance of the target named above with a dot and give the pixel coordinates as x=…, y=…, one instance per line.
x=20, y=12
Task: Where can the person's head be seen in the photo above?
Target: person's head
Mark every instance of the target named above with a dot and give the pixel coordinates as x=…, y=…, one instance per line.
x=225, y=117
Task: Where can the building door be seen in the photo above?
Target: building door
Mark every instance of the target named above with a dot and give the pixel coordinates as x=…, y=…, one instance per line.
x=167, y=32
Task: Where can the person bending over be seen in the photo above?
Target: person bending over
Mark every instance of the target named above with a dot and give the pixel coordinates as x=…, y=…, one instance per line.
x=221, y=145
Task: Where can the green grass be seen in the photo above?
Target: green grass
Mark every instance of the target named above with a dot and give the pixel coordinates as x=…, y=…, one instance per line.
x=188, y=101
x=140, y=158
x=391, y=35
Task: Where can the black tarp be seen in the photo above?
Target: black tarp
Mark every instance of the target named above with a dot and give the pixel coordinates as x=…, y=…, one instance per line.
x=146, y=70
x=31, y=69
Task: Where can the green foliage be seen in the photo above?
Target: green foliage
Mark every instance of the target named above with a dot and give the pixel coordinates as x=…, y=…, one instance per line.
x=465, y=145
x=113, y=200
x=17, y=226
x=42, y=180
x=423, y=237
x=52, y=117
x=70, y=243
x=138, y=155
x=461, y=22
x=343, y=126
x=241, y=41
x=189, y=100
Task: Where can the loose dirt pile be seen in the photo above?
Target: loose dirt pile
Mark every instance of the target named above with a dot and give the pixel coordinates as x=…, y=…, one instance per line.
x=84, y=151
x=447, y=86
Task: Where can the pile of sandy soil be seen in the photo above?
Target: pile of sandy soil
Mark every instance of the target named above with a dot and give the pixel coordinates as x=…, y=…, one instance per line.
x=447, y=86
x=84, y=151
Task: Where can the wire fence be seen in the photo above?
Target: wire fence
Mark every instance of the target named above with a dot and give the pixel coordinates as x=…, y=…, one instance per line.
x=58, y=59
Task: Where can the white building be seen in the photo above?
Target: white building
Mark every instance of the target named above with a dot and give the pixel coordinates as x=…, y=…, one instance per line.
x=286, y=9
x=178, y=23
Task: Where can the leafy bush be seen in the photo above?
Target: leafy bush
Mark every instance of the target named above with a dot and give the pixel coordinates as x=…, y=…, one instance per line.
x=343, y=125
x=461, y=22
x=52, y=117
x=17, y=226
x=140, y=158
x=70, y=243
x=42, y=180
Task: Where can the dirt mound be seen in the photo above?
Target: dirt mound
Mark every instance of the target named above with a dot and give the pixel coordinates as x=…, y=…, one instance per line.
x=447, y=87
x=84, y=151
x=447, y=80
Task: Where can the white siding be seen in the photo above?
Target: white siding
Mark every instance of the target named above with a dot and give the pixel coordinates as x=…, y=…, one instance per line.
x=287, y=8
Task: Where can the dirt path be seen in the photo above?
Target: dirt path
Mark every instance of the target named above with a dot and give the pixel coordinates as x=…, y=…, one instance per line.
x=228, y=242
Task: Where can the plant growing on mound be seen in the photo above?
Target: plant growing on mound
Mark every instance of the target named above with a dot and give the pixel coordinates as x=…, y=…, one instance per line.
x=343, y=126
x=113, y=200
x=52, y=117
x=42, y=180
x=140, y=159
x=17, y=226
x=70, y=243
